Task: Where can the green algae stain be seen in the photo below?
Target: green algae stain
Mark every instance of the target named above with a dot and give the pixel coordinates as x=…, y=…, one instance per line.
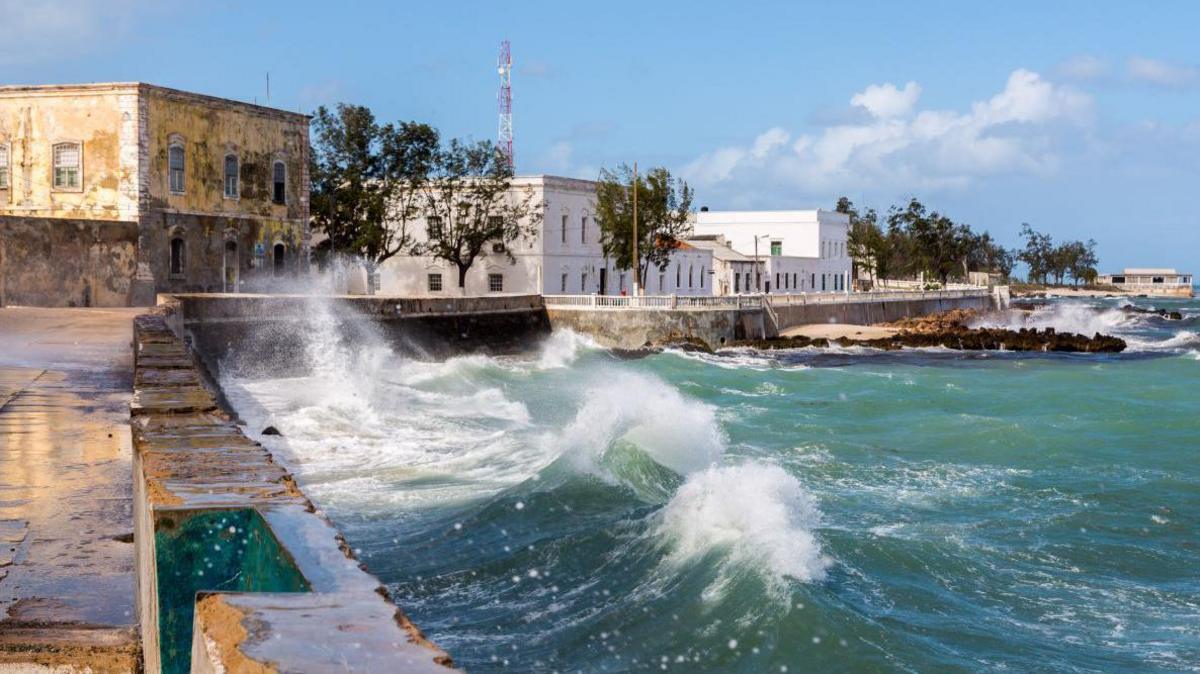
x=217, y=551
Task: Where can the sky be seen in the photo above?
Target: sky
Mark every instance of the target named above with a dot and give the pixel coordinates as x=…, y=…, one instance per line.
x=1080, y=118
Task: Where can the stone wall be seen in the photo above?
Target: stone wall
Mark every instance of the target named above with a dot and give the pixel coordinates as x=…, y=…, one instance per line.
x=637, y=328
x=56, y=262
x=870, y=312
x=272, y=334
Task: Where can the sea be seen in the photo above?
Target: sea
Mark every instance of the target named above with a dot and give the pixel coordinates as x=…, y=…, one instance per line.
x=807, y=510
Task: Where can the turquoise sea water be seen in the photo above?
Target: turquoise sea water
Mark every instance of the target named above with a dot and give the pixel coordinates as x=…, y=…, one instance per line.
x=845, y=510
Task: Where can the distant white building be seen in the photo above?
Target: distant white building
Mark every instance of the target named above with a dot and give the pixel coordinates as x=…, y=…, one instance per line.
x=1150, y=281
x=733, y=273
x=800, y=251
x=563, y=256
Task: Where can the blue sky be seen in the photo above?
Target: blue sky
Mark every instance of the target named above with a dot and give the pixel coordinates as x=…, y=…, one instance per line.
x=1082, y=118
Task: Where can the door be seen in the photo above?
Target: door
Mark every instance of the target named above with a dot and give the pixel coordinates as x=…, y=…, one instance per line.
x=231, y=267
x=603, y=281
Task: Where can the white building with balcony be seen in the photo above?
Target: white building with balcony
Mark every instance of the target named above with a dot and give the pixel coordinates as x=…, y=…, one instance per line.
x=800, y=251
x=562, y=257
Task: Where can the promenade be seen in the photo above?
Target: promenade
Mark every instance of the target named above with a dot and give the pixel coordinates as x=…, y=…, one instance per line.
x=66, y=549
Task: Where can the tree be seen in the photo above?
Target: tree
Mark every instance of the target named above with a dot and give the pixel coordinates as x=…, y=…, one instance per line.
x=865, y=241
x=469, y=202
x=664, y=217
x=936, y=244
x=364, y=181
x=1038, y=253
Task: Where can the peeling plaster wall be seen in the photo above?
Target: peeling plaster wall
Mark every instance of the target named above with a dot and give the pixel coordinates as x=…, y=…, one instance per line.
x=32, y=121
x=125, y=130
x=208, y=129
x=56, y=262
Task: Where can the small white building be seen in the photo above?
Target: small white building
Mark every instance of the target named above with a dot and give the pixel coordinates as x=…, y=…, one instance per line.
x=733, y=273
x=801, y=251
x=564, y=255
x=1150, y=281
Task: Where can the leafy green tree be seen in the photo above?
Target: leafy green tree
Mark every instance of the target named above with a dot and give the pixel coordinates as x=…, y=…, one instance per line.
x=866, y=242
x=1038, y=253
x=469, y=203
x=664, y=217
x=365, y=180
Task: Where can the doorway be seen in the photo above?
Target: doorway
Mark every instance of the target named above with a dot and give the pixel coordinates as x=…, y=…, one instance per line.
x=603, y=281
x=231, y=267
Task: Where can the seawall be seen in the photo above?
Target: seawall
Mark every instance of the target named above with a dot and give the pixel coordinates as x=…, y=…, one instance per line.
x=617, y=323
x=236, y=570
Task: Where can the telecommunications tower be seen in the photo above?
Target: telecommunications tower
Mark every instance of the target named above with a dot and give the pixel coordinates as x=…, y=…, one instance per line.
x=504, y=67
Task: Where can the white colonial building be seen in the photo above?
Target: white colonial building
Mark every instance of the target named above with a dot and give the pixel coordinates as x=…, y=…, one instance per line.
x=800, y=251
x=1150, y=281
x=563, y=256
x=733, y=273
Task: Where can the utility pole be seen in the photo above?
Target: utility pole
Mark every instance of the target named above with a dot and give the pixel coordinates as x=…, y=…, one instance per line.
x=637, y=266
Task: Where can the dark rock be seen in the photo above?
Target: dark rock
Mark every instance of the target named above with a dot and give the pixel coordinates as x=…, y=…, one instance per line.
x=1162, y=313
x=964, y=339
x=271, y=430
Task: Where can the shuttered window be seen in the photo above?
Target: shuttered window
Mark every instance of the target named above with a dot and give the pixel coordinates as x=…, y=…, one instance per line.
x=66, y=166
x=231, y=176
x=175, y=168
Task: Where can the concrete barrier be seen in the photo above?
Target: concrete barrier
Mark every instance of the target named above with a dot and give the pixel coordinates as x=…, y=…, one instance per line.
x=235, y=570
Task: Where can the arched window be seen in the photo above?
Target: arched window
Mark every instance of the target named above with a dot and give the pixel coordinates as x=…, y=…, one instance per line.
x=3, y=167
x=278, y=258
x=279, y=181
x=231, y=176
x=178, y=248
x=175, y=168
x=68, y=166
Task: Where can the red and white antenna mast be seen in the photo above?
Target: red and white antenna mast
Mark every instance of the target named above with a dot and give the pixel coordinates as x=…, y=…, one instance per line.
x=504, y=67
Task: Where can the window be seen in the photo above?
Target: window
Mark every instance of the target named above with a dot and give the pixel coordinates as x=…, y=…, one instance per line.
x=678, y=276
x=794, y=286
x=777, y=280
x=747, y=281
x=622, y=286
x=496, y=283
x=823, y=281
x=175, y=168
x=435, y=283
x=279, y=258
x=67, y=166
x=177, y=250
x=662, y=282
x=583, y=282
x=279, y=183
x=563, y=286
x=3, y=167
x=777, y=249
x=812, y=282
x=564, y=229
x=583, y=230
x=691, y=275
x=737, y=283
x=701, y=277
x=433, y=226
x=231, y=176
x=498, y=247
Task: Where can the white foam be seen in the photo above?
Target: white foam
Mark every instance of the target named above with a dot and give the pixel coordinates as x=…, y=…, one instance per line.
x=751, y=514
x=678, y=433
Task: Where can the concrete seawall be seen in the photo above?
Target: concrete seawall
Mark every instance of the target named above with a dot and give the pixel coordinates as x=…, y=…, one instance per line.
x=235, y=570
x=634, y=328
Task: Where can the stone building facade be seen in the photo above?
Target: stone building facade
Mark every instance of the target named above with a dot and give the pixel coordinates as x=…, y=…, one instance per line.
x=110, y=193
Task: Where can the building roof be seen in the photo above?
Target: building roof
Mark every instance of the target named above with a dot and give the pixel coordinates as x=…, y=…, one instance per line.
x=720, y=250
x=1148, y=271
x=17, y=90
x=757, y=217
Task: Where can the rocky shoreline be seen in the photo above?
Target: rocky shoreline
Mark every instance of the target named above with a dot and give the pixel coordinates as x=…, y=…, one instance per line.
x=952, y=330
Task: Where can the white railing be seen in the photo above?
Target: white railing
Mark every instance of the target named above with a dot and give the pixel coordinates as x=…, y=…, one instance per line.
x=753, y=301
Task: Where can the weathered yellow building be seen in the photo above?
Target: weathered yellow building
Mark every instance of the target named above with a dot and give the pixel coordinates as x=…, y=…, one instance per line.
x=110, y=193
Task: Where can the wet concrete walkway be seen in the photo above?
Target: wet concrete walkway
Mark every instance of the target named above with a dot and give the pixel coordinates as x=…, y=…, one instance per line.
x=66, y=552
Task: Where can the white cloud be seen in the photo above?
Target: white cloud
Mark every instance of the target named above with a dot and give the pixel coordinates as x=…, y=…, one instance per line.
x=558, y=157
x=1083, y=67
x=1162, y=73
x=885, y=101
x=901, y=147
